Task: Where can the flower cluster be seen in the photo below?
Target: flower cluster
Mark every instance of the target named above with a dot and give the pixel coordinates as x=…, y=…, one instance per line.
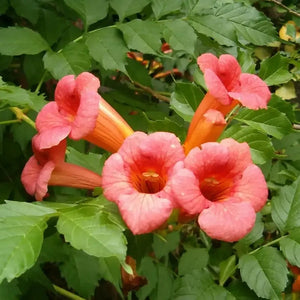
x=148, y=176
x=78, y=112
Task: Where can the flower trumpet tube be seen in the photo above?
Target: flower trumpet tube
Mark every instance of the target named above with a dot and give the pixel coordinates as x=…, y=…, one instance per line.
x=137, y=178
x=227, y=88
x=47, y=167
x=207, y=129
x=110, y=130
x=79, y=112
x=220, y=183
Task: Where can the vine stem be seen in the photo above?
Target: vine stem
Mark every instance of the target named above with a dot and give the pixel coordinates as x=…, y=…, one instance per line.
x=269, y=244
x=152, y=92
x=284, y=7
x=21, y=116
x=41, y=82
x=66, y=293
x=9, y=122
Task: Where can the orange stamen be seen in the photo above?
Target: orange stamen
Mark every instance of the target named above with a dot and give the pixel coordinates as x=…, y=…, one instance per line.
x=214, y=189
x=149, y=182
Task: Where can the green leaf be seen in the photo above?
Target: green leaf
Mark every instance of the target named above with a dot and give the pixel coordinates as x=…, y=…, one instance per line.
x=109, y=268
x=107, y=47
x=234, y=23
x=9, y=291
x=192, y=259
x=149, y=270
x=21, y=240
x=16, y=96
x=164, y=284
x=227, y=268
x=23, y=134
x=290, y=246
x=163, y=7
x=265, y=272
x=199, y=285
x=163, y=247
x=256, y=232
x=73, y=59
x=17, y=41
x=213, y=26
x=29, y=9
x=185, y=99
x=33, y=67
x=138, y=72
x=143, y=36
x=16, y=209
x=270, y=121
x=127, y=8
x=241, y=291
x=283, y=106
x=89, y=229
x=51, y=26
x=3, y=6
x=91, y=161
x=260, y=145
x=54, y=249
x=275, y=70
x=180, y=35
x=166, y=125
x=81, y=272
x=286, y=207
x=91, y=11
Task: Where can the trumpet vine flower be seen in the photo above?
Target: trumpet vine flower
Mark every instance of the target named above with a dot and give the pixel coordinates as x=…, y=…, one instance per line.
x=221, y=184
x=227, y=88
x=79, y=112
x=47, y=167
x=137, y=178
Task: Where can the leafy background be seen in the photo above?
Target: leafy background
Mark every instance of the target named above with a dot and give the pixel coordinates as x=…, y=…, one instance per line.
x=76, y=241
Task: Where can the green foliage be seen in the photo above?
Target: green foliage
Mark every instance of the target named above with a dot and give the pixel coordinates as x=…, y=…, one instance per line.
x=265, y=272
x=17, y=41
x=76, y=239
x=185, y=99
x=89, y=229
x=286, y=206
x=73, y=59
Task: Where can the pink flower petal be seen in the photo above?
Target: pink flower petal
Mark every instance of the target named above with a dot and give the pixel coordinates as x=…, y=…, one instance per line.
x=239, y=155
x=115, y=178
x=30, y=175
x=170, y=149
x=55, y=153
x=144, y=204
x=186, y=191
x=252, y=92
x=159, y=149
x=52, y=137
x=65, y=95
x=214, y=116
x=216, y=87
x=86, y=116
x=208, y=61
x=252, y=188
x=227, y=221
x=52, y=127
x=43, y=179
x=211, y=159
x=144, y=213
x=86, y=81
x=229, y=71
